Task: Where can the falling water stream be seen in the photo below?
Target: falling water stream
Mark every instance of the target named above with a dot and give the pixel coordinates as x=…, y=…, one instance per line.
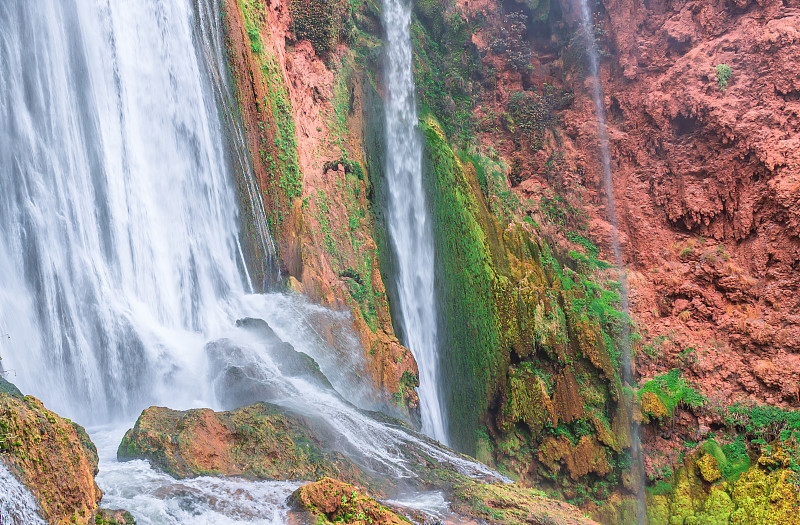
x=123, y=263
x=608, y=183
x=409, y=221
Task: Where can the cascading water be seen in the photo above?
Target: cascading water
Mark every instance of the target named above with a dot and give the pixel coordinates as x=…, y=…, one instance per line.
x=608, y=183
x=121, y=267
x=16, y=503
x=117, y=218
x=409, y=221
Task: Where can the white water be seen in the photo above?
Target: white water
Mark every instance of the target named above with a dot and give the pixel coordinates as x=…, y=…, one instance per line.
x=120, y=252
x=117, y=218
x=605, y=160
x=17, y=506
x=409, y=225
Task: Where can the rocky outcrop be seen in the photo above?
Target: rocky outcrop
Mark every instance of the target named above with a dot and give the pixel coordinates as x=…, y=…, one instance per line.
x=704, y=174
x=513, y=504
x=331, y=501
x=764, y=493
x=708, y=169
x=259, y=441
x=305, y=110
x=54, y=458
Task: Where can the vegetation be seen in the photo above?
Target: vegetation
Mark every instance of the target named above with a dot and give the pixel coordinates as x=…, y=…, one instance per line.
x=317, y=21
x=277, y=135
x=532, y=113
x=446, y=66
x=724, y=73
x=671, y=391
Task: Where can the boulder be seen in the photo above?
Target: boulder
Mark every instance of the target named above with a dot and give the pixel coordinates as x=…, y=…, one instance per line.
x=53, y=458
x=259, y=441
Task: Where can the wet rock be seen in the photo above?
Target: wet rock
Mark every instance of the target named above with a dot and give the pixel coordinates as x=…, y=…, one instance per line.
x=259, y=441
x=241, y=378
x=53, y=457
x=331, y=501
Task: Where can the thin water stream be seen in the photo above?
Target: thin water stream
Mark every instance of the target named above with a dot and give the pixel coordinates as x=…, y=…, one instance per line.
x=608, y=184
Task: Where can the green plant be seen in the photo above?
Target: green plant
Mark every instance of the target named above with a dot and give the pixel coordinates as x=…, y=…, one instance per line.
x=673, y=391
x=724, y=73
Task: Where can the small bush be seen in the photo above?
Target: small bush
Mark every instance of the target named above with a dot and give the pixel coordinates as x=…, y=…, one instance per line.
x=532, y=114
x=724, y=73
x=673, y=391
x=511, y=41
x=764, y=422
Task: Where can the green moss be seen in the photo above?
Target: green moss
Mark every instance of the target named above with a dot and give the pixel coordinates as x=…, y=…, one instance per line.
x=278, y=140
x=673, y=391
x=445, y=64
x=471, y=335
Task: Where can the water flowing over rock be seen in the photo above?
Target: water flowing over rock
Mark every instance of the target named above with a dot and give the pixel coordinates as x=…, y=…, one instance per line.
x=118, y=215
x=409, y=220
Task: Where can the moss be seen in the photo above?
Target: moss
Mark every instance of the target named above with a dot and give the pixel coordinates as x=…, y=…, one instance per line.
x=709, y=468
x=471, y=331
x=446, y=66
x=768, y=498
x=527, y=400
x=652, y=407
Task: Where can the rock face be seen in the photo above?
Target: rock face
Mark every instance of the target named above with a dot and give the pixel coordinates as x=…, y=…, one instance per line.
x=256, y=442
x=703, y=111
x=709, y=171
x=53, y=457
x=308, y=122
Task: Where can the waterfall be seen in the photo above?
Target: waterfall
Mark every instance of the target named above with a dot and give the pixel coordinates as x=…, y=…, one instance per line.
x=608, y=183
x=117, y=217
x=409, y=225
x=124, y=258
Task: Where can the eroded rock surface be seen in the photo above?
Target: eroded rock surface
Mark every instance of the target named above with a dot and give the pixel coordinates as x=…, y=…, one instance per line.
x=259, y=441
x=54, y=458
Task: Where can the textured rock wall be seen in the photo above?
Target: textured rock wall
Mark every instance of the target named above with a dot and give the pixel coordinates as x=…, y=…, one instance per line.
x=304, y=113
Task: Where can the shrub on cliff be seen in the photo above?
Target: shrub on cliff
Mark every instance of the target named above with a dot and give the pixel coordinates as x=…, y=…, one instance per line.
x=532, y=114
x=511, y=41
x=724, y=73
x=672, y=391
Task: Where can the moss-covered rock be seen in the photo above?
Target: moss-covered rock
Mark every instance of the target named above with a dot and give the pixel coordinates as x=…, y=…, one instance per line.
x=259, y=441
x=709, y=468
x=707, y=491
x=529, y=335
x=513, y=504
x=331, y=501
x=53, y=457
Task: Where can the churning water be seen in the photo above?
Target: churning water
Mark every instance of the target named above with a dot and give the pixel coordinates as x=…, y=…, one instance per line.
x=410, y=225
x=123, y=266
x=605, y=160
